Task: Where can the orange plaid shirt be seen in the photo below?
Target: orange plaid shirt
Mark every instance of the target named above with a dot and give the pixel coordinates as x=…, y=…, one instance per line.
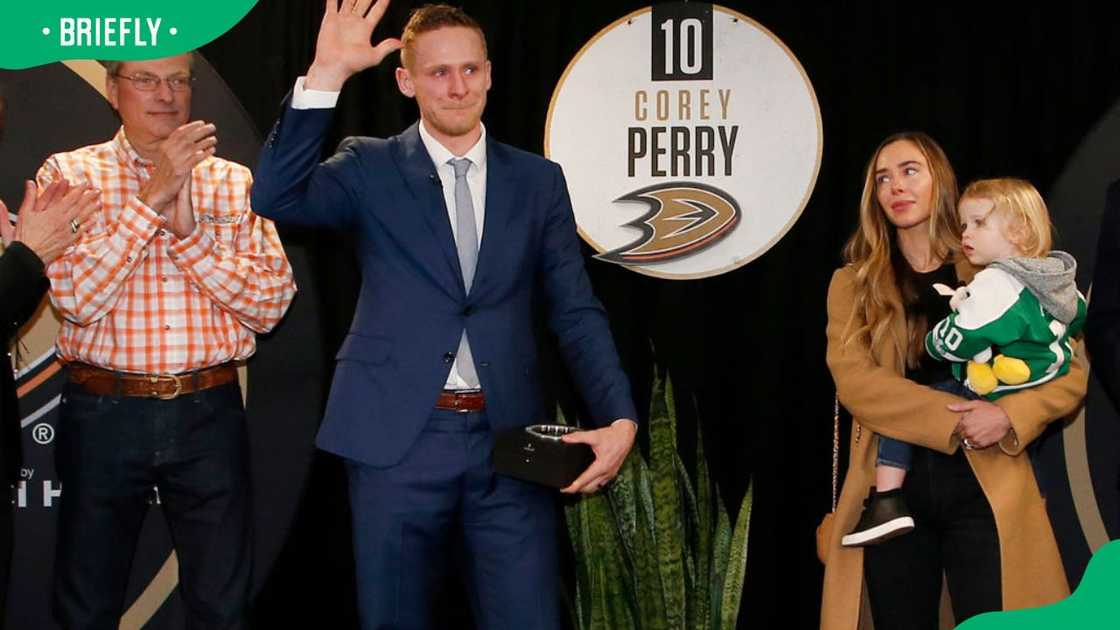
x=136, y=298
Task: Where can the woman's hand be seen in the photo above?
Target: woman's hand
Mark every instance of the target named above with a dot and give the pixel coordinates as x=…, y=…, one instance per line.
x=50, y=222
x=983, y=423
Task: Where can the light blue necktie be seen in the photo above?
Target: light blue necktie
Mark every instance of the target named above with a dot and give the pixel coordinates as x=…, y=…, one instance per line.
x=466, y=241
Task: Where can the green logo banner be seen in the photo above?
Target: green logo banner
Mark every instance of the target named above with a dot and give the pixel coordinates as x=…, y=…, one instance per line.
x=36, y=33
x=1092, y=605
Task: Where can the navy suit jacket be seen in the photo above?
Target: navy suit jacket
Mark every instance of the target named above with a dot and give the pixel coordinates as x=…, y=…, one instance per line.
x=413, y=307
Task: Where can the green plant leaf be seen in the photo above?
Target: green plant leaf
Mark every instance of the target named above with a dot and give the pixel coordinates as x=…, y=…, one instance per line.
x=657, y=551
x=667, y=503
x=721, y=546
x=705, y=509
x=691, y=523
x=736, y=564
x=649, y=591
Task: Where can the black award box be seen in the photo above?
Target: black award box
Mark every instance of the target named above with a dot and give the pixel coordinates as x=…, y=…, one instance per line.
x=536, y=453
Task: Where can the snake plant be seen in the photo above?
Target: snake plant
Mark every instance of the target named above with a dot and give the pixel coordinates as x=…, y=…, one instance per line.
x=657, y=549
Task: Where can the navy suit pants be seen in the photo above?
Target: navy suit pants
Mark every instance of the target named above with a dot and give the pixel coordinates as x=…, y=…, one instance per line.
x=444, y=506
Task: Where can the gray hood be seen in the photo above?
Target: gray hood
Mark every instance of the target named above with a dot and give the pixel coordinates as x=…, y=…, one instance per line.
x=1050, y=279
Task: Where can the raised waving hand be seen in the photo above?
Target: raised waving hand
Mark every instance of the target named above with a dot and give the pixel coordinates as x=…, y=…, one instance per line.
x=344, y=47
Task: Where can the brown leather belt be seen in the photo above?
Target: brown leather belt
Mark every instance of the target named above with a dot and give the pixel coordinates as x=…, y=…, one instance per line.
x=461, y=401
x=102, y=382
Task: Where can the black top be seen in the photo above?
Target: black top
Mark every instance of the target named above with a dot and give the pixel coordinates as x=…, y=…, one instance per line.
x=22, y=285
x=1102, y=328
x=935, y=307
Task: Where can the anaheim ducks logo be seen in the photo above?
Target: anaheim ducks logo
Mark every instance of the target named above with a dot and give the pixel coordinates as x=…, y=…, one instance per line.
x=683, y=218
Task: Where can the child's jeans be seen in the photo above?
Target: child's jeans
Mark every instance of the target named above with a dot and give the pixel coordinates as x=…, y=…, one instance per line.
x=897, y=454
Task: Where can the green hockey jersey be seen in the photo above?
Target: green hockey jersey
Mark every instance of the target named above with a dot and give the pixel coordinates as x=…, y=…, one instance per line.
x=1003, y=314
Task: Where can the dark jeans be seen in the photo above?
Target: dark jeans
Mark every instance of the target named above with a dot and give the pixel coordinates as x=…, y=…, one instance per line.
x=898, y=454
x=955, y=533
x=110, y=453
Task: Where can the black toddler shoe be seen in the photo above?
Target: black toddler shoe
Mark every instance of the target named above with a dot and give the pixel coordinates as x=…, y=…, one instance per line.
x=884, y=517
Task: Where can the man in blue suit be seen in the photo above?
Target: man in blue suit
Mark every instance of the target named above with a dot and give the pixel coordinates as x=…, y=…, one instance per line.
x=457, y=234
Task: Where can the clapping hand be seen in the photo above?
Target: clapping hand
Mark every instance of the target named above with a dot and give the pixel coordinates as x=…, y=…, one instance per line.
x=50, y=221
x=184, y=149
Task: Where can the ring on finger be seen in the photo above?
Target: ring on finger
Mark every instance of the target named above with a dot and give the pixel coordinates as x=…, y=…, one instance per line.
x=74, y=226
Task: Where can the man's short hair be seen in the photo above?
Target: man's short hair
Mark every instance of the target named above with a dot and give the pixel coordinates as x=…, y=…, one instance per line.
x=431, y=17
x=112, y=68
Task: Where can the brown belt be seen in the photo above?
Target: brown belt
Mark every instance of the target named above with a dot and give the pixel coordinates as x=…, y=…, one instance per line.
x=102, y=382
x=461, y=401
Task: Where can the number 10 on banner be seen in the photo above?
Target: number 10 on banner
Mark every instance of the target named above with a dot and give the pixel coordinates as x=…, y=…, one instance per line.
x=682, y=42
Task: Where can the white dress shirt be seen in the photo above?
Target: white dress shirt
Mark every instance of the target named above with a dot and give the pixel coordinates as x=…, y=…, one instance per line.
x=440, y=155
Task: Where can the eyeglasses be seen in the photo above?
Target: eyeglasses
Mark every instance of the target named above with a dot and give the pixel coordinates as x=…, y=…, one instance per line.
x=150, y=82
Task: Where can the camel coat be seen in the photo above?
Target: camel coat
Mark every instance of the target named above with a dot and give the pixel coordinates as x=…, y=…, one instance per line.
x=882, y=401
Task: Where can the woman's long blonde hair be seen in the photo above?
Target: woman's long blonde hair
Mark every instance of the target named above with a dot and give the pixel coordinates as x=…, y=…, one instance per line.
x=884, y=284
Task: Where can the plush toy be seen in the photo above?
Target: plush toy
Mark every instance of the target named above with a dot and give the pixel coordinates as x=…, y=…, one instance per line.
x=983, y=373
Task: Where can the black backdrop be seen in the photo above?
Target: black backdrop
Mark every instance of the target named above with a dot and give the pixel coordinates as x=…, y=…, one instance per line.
x=1006, y=93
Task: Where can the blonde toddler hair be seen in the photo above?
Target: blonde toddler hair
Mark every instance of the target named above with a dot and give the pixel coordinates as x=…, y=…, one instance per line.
x=1019, y=202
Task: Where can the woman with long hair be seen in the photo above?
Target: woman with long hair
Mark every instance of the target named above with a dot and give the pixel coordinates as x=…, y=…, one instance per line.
x=979, y=519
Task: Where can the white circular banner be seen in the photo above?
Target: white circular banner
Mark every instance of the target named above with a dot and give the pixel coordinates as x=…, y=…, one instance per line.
x=690, y=137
